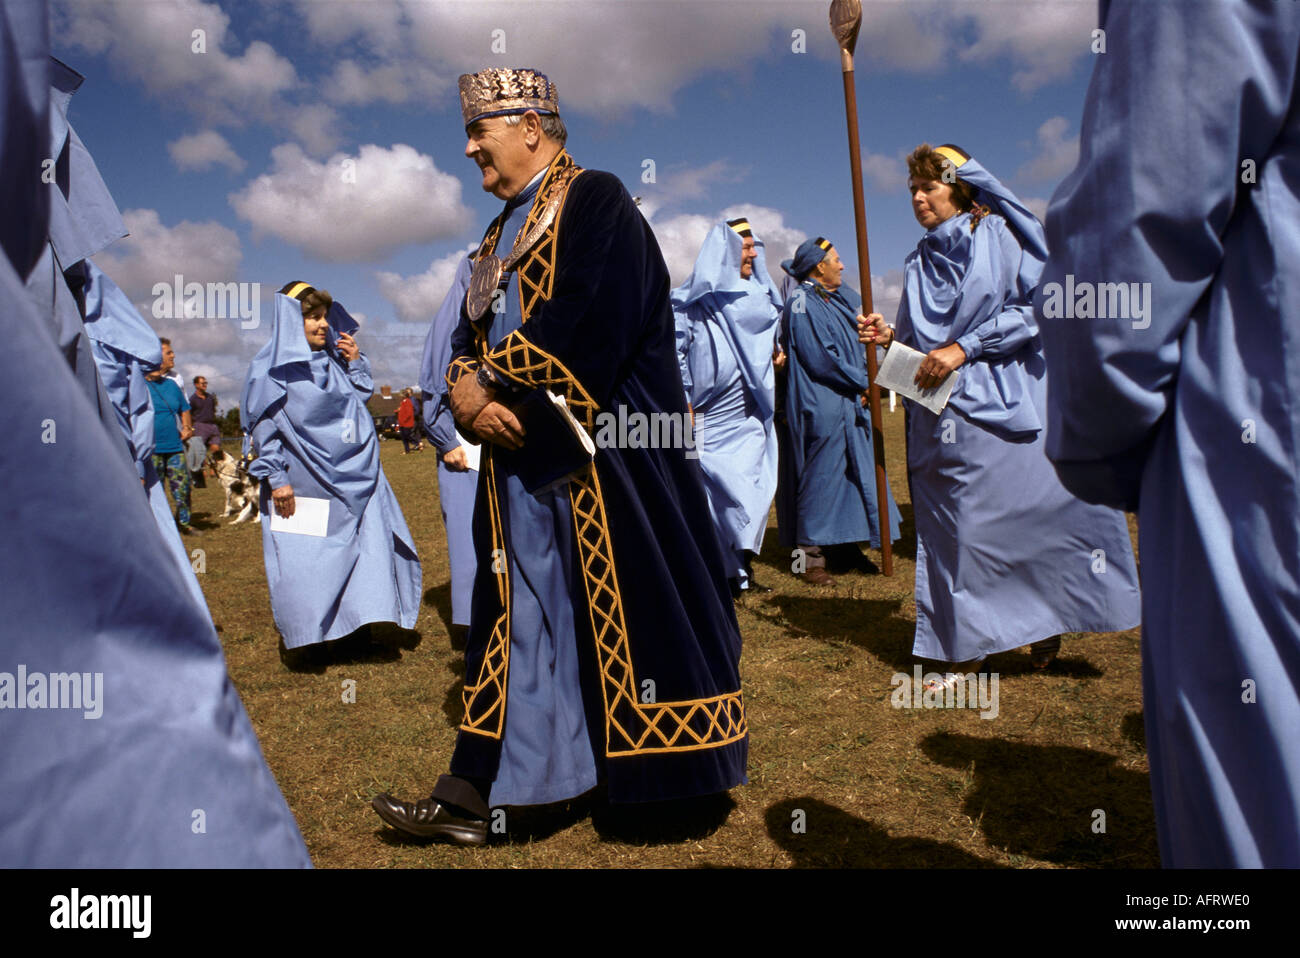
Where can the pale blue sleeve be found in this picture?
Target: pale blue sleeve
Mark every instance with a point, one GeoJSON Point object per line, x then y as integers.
{"type": "Point", "coordinates": [359, 375]}
{"type": "Point", "coordinates": [270, 464]}
{"type": "Point", "coordinates": [1184, 94]}
{"type": "Point", "coordinates": [1004, 334]}
{"type": "Point", "coordinates": [685, 333]}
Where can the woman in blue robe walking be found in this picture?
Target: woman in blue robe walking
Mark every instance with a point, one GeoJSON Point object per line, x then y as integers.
{"type": "Point", "coordinates": [304, 407]}
{"type": "Point", "coordinates": [1005, 555]}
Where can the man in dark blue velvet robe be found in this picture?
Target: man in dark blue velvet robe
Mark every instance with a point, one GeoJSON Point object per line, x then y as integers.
{"type": "Point", "coordinates": [603, 645]}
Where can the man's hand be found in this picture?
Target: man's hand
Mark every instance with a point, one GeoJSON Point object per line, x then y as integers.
{"type": "Point", "coordinates": [873, 331]}
{"type": "Point", "coordinates": [938, 364]}
{"type": "Point", "coordinates": [348, 347]}
{"type": "Point", "coordinates": [497, 424]}
{"type": "Point", "coordinates": [467, 400]}
{"type": "Point", "coordinates": [282, 499]}
{"type": "Point", "coordinates": [778, 359]}
{"type": "Point", "coordinates": [457, 460]}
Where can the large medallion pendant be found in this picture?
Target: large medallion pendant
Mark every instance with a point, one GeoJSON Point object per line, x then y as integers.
{"type": "Point", "coordinates": [483, 284]}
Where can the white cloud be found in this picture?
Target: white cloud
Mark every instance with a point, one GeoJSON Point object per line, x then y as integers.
{"type": "Point", "coordinates": [183, 52]}
{"type": "Point", "coordinates": [154, 253]}
{"type": "Point", "coordinates": [400, 81]}
{"type": "Point", "coordinates": [353, 208]}
{"type": "Point", "coordinates": [317, 128]}
{"type": "Point", "coordinates": [610, 57]}
{"type": "Point", "coordinates": [884, 174]}
{"type": "Point", "coordinates": [416, 298]}
{"type": "Point", "coordinates": [1057, 154]}
{"type": "Point", "coordinates": [1043, 39]}
{"type": "Point", "coordinates": [680, 237]}
{"type": "Point", "coordinates": [202, 151]}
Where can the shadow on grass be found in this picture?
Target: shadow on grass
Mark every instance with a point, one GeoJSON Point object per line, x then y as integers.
{"type": "Point", "coordinates": [871, 624]}
{"type": "Point", "coordinates": [905, 547]}
{"type": "Point", "coordinates": [1133, 727]}
{"type": "Point", "coordinates": [831, 837]}
{"type": "Point", "coordinates": [453, 702]}
{"type": "Point", "coordinates": [378, 642]}
{"type": "Point", "coordinates": [439, 598]}
{"type": "Point", "coordinates": [661, 823]}
{"type": "Point", "coordinates": [1043, 801]}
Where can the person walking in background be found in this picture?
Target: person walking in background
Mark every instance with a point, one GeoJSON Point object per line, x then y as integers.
{"type": "Point", "coordinates": [207, 433]}
{"type": "Point", "coordinates": [406, 423]}
{"type": "Point", "coordinates": [1179, 400]}
{"type": "Point", "coordinates": [169, 408]}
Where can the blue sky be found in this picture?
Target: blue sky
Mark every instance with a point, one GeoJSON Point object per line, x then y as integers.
{"type": "Point", "coordinates": [231, 162]}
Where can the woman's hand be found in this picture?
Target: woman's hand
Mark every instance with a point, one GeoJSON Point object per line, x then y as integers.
{"type": "Point", "coordinates": [348, 347]}
{"type": "Point", "coordinates": [457, 460]}
{"type": "Point", "coordinates": [938, 364]}
{"type": "Point", "coordinates": [282, 499]}
{"type": "Point", "coordinates": [872, 330]}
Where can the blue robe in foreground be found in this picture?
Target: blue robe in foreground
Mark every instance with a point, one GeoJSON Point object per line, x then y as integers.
{"type": "Point", "coordinates": [456, 490]}
{"type": "Point", "coordinates": [167, 773]}
{"type": "Point", "coordinates": [1005, 555]}
{"type": "Point", "coordinates": [726, 329]}
{"type": "Point", "coordinates": [305, 410]}
{"type": "Point", "coordinates": [830, 429]}
{"type": "Point", "coordinates": [124, 348]}
{"type": "Point", "coordinates": [1185, 408]}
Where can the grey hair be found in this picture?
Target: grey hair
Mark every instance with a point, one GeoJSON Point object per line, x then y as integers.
{"type": "Point", "coordinates": [552, 125]}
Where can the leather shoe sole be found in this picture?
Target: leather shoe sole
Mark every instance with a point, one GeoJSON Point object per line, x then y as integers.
{"type": "Point", "coordinates": [429, 819]}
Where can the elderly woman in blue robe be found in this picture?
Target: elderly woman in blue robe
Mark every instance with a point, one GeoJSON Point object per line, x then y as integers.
{"type": "Point", "coordinates": [1005, 555]}
{"type": "Point", "coordinates": [304, 407]}
{"type": "Point", "coordinates": [829, 427]}
{"type": "Point", "coordinates": [725, 316]}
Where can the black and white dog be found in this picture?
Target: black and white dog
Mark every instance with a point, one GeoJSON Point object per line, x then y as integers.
{"type": "Point", "coordinates": [241, 489]}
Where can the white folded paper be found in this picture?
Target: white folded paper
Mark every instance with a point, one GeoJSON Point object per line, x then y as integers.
{"type": "Point", "coordinates": [311, 517]}
{"type": "Point", "coordinates": [472, 449]}
{"type": "Point", "coordinates": [898, 372]}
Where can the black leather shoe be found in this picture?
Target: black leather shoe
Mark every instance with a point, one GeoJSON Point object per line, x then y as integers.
{"type": "Point", "coordinates": [429, 819]}
{"type": "Point", "coordinates": [758, 587]}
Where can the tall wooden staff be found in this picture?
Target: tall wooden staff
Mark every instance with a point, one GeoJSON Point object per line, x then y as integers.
{"type": "Point", "coordinates": [846, 19]}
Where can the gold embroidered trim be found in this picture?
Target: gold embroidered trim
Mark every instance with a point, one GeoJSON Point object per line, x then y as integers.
{"type": "Point", "coordinates": [457, 369]}
{"type": "Point", "coordinates": [632, 727]}
{"type": "Point", "coordinates": [487, 717]}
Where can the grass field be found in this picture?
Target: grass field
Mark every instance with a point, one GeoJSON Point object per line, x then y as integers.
{"type": "Point", "coordinates": [837, 775]}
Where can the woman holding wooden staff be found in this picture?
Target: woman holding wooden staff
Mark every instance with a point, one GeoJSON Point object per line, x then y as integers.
{"type": "Point", "coordinates": [1005, 555]}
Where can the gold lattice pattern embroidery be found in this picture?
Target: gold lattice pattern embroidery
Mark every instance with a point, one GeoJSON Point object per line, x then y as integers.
{"type": "Point", "coordinates": [524, 362]}
{"type": "Point", "coordinates": [485, 700]}
{"type": "Point", "coordinates": [457, 369]}
{"type": "Point", "coordinates": [631, 727]}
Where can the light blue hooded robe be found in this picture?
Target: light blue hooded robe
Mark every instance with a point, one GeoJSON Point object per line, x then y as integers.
{"type": "Point", "coordinates": [305, 411]}
{"type": "Point", "coordinates": [1005, 555]}
{"type": "Point", "coordinates": [456, 490]}
{"type": "Point", "coordinates": [726, 330]}
{"type": "Point", "coordinates": [162, 770]}
{"type": "Point", "coordinates": [1186, 408]}
{"type": "Point", "coordinates": [124, 348]}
